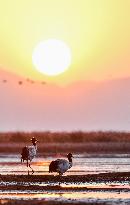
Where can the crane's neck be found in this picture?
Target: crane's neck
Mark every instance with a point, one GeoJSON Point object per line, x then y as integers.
{"type": "Point", "coordinates": [35, 145]}
{"type": "Point", "coordinates": [70, 161]}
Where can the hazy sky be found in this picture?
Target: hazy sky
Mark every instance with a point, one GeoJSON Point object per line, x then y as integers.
{"type": "Point", "coordinates": [78, 106]}
{"type": "Point", "coordinates": [97, 31]}
{"type": "Point", "coordinates": [96, 91]}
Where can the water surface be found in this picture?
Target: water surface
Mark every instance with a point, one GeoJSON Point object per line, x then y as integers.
{"type": "Point", "coordinates": [82, 164]}
{"type": "Point", "coordinates": [116, 192]}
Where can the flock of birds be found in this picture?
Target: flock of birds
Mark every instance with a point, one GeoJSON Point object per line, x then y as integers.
{"type": "Point", "coordinates": [59, 165]}
{"type": "Point", "coordinates": [20, 82]}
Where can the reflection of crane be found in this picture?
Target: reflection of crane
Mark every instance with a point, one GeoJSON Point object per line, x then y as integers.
{"type": "Point", "coordinates": [61, 165]}
{"type": "Point", "coordinates": [29, 152]}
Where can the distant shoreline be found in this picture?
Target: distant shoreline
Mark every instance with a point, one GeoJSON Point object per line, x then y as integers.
{"type": "Point", "coordinates": [55, 148]}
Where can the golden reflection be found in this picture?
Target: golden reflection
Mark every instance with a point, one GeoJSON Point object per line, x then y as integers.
{"type": "Point", "coordinates": [3, 201]}
{"type": "Point", "coordinates": [68, 195]}
{"type": "Point", "coordinates": [41, 163]}
{"type": "Point", "coordinates": [100, 186]}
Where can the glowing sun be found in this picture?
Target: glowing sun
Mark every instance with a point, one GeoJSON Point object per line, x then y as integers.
{"type": "Point", "coordinates": [52, 57]}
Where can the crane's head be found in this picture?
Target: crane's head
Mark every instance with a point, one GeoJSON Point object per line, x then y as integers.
{"type": "Point", "coordinates": [34, 140]}
{"type": "Point", "coordinates": [69, 156]}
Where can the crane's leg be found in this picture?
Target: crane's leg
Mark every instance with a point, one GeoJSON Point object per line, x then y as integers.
{"type": "Point", "coordinates": [22, 159]}
{"type": "Point", "coordinates": [27, 162]}
{"type": "Point", "coordinates": [28, 166]}
{"type": "Point", "coordinates": [60, 174]}
{"type": "Point", "coordinates": [31, 168]}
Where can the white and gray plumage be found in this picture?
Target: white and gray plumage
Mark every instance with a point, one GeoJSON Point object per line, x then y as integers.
{"type": "Point", "coordinates": [28, 153]}
{"type": "Point", "coordinates": [61, 165]}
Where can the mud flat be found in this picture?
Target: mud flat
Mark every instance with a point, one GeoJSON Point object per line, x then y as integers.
{"type": "Point", "coordinates": [115, 176]}
{"type": "Point", "coordinates": [36, 202]}
{"type": "Point", "coordinates": [92, 189]}
{"type": "Point", "coordinates": [53, 183]}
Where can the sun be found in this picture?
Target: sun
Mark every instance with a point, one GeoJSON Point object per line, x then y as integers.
{"type": "Point", "coordinates": [51, 57]}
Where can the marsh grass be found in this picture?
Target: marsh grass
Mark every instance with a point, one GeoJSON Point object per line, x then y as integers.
{"type": "Point", "coordinates": [66, 137]}
{"type": "Point", "coordinates": [63, 142]}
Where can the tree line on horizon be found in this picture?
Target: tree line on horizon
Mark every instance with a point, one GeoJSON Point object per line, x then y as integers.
{"type": "Point", "coordinates": [65, 137]}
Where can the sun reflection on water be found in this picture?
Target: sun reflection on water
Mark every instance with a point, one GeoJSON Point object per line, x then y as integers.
{"type": "Point", "coordinates": [83, 164]}
{"type": "Point", "coordinates": [79, 196]}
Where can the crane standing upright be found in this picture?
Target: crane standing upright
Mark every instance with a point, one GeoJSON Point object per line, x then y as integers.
{"type": "Point", "coordinates": [29, 152]}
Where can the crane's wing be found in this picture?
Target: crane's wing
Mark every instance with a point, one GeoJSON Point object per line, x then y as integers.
{"type": "Point", "coordinates": [32, 152]}
{"type": "Point", "coordinates": [25, 153]}
{"type": "Point", "coordinates": [63, 165]}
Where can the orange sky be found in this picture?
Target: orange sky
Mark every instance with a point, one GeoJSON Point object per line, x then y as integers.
{"type": "Point", "coordinates": [97, 31]}
{"type": "Point", "coordinates": [79, 106]}
{"type": "Point", "coordinates": [94, 93]}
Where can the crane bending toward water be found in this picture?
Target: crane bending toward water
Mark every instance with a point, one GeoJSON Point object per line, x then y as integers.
{"type": "Point", "coordinates": [28, 153]}
{"type": "Point", "coordinates": [61, 165]}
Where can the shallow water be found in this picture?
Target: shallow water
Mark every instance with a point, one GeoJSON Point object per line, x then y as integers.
{"type": "Point", "coordinates": [109, 197]}
{"type": "Point", "coordinates": [82, 164]}
{"type": "Point", "coordinates": [117, 192]}
{"type": "Point", "coordinates": [113, 197]}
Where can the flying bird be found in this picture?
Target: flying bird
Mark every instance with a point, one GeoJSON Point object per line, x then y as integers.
{"type": "Point", "coordinates": [61, 165]}
{"type": "Point", "coordinates": [4, 81]}
{"type": "Point", "coordinates": [20, 82]}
